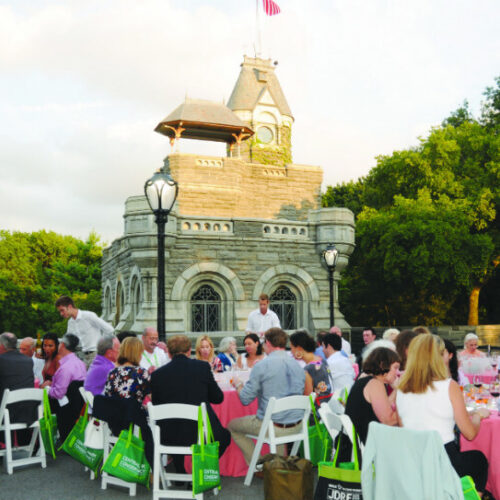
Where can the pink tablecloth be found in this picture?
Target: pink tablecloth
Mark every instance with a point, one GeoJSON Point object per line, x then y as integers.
{"type": "Point", "coordinates": [486, 377]}
{"type": "Point", "coordinates": [486, 441]}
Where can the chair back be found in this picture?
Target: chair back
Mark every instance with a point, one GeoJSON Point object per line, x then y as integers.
{"type": "Point", "coordinates": [174, 410]}
{"type": "Point", "coordinates": [87, 396]}
{"type": "Point", "coordinates": [20, 395]}
{"type": "Point", "coordinates": [332, 421]}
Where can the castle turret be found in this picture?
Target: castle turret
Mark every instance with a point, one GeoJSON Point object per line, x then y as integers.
{"type": "Point", "coordinates": [258, 100]}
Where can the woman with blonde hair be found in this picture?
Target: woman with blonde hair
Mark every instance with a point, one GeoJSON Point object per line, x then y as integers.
{"type": "Point", "coordinates": [428, 399]}
{"type": "Point", "coordinates": [128, 380]}
{"type": "Point", "coordinates": [204, 350]}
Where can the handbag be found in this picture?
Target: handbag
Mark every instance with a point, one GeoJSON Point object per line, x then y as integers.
{"type": "Point", "coordinates": [205, 473]}
{"type": "Point", "coordinates": [342, 480]}
{"type": "Point", "coordinates": [48, 426]}
{"type": "Point", "coordinates": [127, 459]}
{"type": "Point", "coordinates": [469, 488]}
{"type": "Point", "coordinates": [94, 434]}
{"type": "Point", "coordinates": [289, 478]}
{"type": "Point", "coordinates": [320, 441]}
{"type": "Point", "coordinates": [74, 444]}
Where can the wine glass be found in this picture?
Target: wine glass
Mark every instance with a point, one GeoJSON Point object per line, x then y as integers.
{"type": "Point", "coordinates": [477, 381]}
{"type": "Point", "coordinates": [495, 392]}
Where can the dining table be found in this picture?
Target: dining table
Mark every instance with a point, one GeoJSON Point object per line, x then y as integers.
{"type": "Point", "coordinates": [487, 441]}
{"type": "Point", "coordinates": [485, 377]}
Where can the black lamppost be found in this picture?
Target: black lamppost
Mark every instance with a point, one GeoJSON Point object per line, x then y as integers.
{"type": "Point", "coordinates": [331, 254]}
{"type": "Point", "coordinates": [161, 192]}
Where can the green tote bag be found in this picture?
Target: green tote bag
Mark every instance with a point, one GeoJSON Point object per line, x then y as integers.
{"type": "Point", "coordinates": [74, 445]}
{"type": "Point", "coordinates": [48, 426]}
{"type": "Point", "coordinates": [206, 475]}
{"type": "Point", "coordinates": [127, 459]}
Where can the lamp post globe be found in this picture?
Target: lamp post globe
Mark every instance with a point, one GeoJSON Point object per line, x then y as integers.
{"type": "Point", "coordinates": [161, 193]}
{"type": "Point", "coordinates": [330, 256]}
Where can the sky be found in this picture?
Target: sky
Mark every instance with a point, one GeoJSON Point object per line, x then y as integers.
{"type": "Point", "coordinates": [83, 85]}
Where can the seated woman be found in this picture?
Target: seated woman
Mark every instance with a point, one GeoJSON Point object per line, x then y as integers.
{"type": "Point", "coordinates": [471, 341]}
{"type": "Point", "coordinates": [50, 348]}
{"type": "Point", "coordinates": [368, 400]}
{"type": "Point", "coordinates": [451, 363]}
{"type": "Point", "coordinates": [128, 380]}
{"type": "Point", "coordinates": [253, 354]}
{"type": "Point", "coordinates": [427, 399]}
{"type": "Point", "coordinates": [303, 346]}
{"type": "Point", "coordinates": [228, 354]}
{"type": "Point", "coordinates": [204, 350]}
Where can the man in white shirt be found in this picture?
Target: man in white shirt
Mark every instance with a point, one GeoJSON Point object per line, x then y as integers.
{"type": "Point", "coordinates": [260, 320]}
{"type": "Point", "coordinates": [27, 347]}
{"type": "Point", "coordinates": [153, 356]}
{"type": "Point", "coordinates": [341, 368]}
{"type": "Point", "coordinates": [86, 325]}
{"type": "Point", "coordinates": [346, 347]}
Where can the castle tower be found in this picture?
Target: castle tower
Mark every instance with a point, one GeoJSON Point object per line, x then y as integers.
{"type": "Point", "coordinates": [258, 100]}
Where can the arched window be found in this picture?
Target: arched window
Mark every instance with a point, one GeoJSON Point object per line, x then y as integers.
{"type": "Point", "coordinates": [284, 303]}
{"type": "Point", "coordinates": [136, 298]}
{"type": "Point", "coordinates": [205, 310]}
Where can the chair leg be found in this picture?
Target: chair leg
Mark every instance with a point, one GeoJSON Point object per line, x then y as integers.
{"type": "Point", "coordinates": [295, 448]}
{"type": "Point", "coordinates": [8, 451]}
{"type": "Point", "coordinates": [253, 462]}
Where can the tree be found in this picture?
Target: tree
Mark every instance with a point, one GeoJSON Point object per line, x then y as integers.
{"type": "Point", "coordinates": [455, 174]}
{"type": "Point", "coordinates": [37, 268]}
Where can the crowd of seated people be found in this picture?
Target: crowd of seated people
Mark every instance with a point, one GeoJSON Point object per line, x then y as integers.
{"type": "Point", "coordinates": [409, 378]}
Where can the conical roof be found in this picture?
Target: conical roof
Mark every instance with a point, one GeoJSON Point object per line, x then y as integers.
{"type": "Point", "coordinates": [256, 76]}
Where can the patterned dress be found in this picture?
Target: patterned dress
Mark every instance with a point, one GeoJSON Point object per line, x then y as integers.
{"type": "Point", "coordinates": [128, 382]}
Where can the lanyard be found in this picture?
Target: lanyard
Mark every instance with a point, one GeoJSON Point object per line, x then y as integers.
{"type": "Point", "coordinates": [149, 361]}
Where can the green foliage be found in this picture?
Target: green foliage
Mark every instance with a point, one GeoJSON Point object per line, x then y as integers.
{"type": "Point", "coordinates": [428, 229]}
{"type": "Point", "coordinates": [38, 267]}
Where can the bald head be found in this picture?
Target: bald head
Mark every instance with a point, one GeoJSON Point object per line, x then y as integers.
{"type": "Point", "coordinates": [336, 330]}
{"type": "Point", "coordinates": [150, 338]}
{"type": "Point", "coordinates": [27, 346]}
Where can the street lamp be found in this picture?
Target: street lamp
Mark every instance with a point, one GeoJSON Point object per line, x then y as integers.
{"type": "Point", "coordinates": [331, 255]}
{"type": "Point", "coordinates": [161, 192]}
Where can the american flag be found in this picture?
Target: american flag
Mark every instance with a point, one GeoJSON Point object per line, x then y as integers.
{"type": "Point", "coordinates": [271, 8]}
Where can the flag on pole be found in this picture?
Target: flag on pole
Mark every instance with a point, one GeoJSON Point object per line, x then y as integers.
{"type": "Point", "coordinates": [271, 8]}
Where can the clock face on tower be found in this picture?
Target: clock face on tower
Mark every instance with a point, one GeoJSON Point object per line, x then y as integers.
{"type": "Point", "coordinates": [265, 135]}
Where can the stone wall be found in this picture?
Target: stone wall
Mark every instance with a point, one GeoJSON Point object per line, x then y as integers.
{"type": "Point", "coordinates": [239, 257]}
{"type": "Point", "coordinates": [230, 187]}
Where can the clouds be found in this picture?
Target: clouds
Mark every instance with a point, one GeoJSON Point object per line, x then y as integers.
{"type": "Point", "coordinates": [84, 84]}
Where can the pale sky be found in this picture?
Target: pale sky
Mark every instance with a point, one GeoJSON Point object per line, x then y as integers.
{"type": "Point", "coordinates": [83, 85]}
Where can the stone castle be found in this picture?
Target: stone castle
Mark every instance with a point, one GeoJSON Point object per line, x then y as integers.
{"type": "Point", "coordinates": [244, 224]}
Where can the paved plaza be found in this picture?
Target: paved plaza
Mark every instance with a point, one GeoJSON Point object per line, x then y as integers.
{"type": "Point", "coordinates": [65, 479]}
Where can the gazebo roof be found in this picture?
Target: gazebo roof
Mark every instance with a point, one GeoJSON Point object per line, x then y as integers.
{"type": "Point", "coordinates": [204, 120]}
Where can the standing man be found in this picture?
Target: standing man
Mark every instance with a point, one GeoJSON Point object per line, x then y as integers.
{"type": "Point", "coordinates": [260, 320]}
{"type": "Point", "coordinates": [277, 375]}
{"type": "Point", "coordinates": [27, 347]}
{"type": "Point", "coordinates": [86, 325]}
{"type": "Point", "coordinates": [369, 336]}
{"type": "Point", "coordinates": [188, 381]}
{"type": "Point", "coordinates": [16, 372]}
{"type": "Point", "coordinates": [153, 357]}
{"type": "Point", "coordinates": [108, 348]}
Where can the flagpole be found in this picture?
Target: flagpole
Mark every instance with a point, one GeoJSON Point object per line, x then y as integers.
{"type": "Point", "coordinates": [258, 39]}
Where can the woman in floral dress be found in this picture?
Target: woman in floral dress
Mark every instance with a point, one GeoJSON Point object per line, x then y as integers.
{"type": "Point", "coordinates": [128, 379]}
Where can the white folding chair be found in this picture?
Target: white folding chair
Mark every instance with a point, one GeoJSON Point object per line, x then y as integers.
{"type": "Point", "coordinates": [109, 442]}
{"type": "Point", "coordinates": [268, 436]}
{"type": "Point", "coordinates": [88, 398]}
{"type": "Point", "coordinates": [335, 423]}
{"type": "Point", "coordinates": [17, 396]}
{"type": "Point", "coordinates": [163, 412]}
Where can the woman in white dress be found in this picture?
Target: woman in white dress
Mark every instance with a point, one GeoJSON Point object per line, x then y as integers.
{"type": "Point", "coordinates": [253, 354]}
